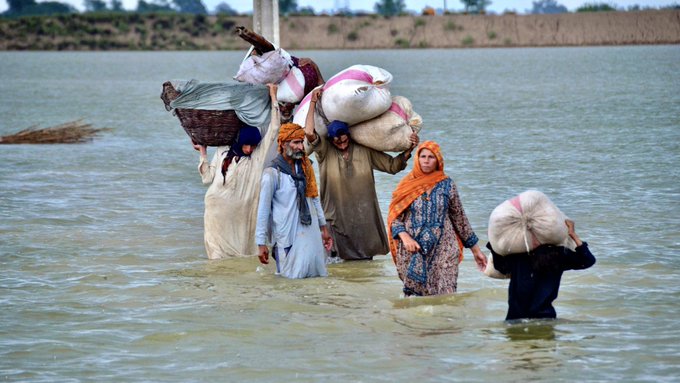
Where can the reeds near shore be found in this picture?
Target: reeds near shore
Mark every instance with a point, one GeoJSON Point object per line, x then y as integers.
{"type": "Point", "coordinates": [73, 132]}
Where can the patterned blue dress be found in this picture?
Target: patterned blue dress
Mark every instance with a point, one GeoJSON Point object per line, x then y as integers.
{"type": "Point", "coordinates": [435, 220]}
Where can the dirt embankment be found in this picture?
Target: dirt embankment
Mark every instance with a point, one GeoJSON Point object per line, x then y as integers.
{"type": "Point", "coordinates": [185, 32]}
{"type": "Point", "coordinates": [456, 31]}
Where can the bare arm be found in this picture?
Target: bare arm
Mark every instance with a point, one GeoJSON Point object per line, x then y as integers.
{"type": "Point", "coordinates": [310, 132]}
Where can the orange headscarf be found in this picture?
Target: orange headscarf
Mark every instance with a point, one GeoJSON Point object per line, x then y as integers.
{"type": "Point", "coordinates": [411, 187]}
{"type": "Point", "coordinates": [290, 132]}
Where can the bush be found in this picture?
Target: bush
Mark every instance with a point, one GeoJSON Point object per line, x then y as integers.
{"type": "Point", "coordinates": [468, 41]}
{"type": "Point", "coordinates": [596, 7]}
{"type": "Point", "coordinates": [353, 36]}
{"type": "Point", "coordinates": [332, 29]}
{"type": "Point", "coordinates": [402, 43]}
{"type": "Point", "coordinates": [491, 35]}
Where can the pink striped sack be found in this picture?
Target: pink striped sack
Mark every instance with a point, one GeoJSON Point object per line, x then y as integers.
{"type": "Point", "coordinates": [292, 87]}
{"type": "Point", "coordinates": [389, 132]}
{"type": "Point", "coordinates": [525, 222]}
{"type": "Point", "coordinates": [271, 67]}
{"type": "Point", "coordinates": [354, 95]}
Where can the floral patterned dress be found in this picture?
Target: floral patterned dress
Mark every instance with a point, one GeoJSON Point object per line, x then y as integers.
{"type": "Point", "coordinates": [435, 220]}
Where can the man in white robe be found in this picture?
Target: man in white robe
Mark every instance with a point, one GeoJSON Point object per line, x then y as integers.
{"type": "Point", "coordinates": [231, 199]}
{"type": "Point", "coordinates": [289, 214]}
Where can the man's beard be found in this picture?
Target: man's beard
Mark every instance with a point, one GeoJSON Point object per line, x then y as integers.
{"type": "Point", "coordinates": [296, 155]}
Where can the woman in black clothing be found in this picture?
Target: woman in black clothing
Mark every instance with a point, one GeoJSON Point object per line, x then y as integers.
{"type": "Point", "coordinates": [535, 276]}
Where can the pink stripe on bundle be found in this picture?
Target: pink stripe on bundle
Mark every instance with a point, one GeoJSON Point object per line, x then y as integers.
{"type": "Point", "coordinates": [516, 203]}
{"type": "Point", "coordinates": [294, 85]}
{"type": "Point", "coordinates": [352, 74]}
{"type": "Point", "coordinates": [395, 108]}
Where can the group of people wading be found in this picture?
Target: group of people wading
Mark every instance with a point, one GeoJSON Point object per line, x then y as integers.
{"type": "Point", "coordinates": [285, 214]}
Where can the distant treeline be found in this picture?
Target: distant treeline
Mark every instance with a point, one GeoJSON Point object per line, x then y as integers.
{"type": "Point", "coordinates": [387, 8]}
{"type": "Point", "coordinates": [122, 31]}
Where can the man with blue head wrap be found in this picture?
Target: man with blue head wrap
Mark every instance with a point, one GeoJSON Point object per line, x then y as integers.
{"type": "Point", "coordinates": [347, 187]}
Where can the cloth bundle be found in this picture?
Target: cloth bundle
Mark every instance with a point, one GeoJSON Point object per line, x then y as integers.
{"type": "Point", "coordinates": [525, 222]}
{"type": "Point", "coordinates": [391, 131]}
{"type": "Point", "coordinates": [271, 67]}
{"type": "Point", "coordinates": [292, 87]}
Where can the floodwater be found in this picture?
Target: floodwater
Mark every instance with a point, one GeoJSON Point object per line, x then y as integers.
{"type": "Point", "coordinates": [104, 276]}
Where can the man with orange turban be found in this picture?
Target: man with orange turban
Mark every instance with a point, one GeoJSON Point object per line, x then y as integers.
{"type": "Point", "coordinates": [290, 211]}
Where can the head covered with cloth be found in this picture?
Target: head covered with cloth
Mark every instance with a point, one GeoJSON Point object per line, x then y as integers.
{"type": "Point", "coordinates": [412, 186]}
{"type": "Point", "coordinates": [305, 183]}
{"type": "Point", "coordinates": [246, 142]}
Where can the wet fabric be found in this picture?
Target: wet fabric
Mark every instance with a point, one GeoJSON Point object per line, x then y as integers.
{"type": "Point", "coordinates": [531, 292]}
{"type": "Point", "coordinates": [231, 199]}
{"type": "Point", "coordinates": [438, 223]}
{"type": "Point", "coordinates": [251, 102]}
{"type": "Point", "coordinates": [349, 198]}
{"type": "Point", "coordinates": [298, 248]}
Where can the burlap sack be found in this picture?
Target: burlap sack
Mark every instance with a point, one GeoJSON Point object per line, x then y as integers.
{"type": "Point", "coordinates": [389, 132]}
{"type": "Point", "coordinates": [525, 222]}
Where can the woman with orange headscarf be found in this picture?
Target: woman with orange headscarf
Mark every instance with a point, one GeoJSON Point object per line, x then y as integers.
{"type": "Point", "coordinates": [428, 227]}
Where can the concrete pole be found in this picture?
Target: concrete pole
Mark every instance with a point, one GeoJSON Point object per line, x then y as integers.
{"type": "Point", "coordinates": [266, 19]}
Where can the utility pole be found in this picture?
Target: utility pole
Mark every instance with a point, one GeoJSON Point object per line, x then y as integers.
{"type": "Point", "coordinates": [266, 19]}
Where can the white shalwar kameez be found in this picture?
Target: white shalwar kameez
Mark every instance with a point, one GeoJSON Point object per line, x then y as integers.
{"type": "Point", "coordinates": [231, 208]}
{"type": "Point", "coordinates": [298, 248]}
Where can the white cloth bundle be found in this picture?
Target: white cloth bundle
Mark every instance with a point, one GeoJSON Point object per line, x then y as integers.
{"type": "Point", "coordinates": [525, 222]}
{"type": "Point", "coordinates": [491, 272]}
{"type": "Point", "coordinates": [389, 132]}
{"type": "Point", "coordinates": [357, 94]}
{"type": "Point", "coordinates": [292, 87]}
{"type": "Point", "coordinates": [271, 67]}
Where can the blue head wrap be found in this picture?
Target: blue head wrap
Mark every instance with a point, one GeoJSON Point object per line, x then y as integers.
{"type": "Point", "coordinates": [247, 135]}
{"type": "Point", "coordinates": [337, 128]}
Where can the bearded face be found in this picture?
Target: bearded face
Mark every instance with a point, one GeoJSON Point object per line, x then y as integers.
{"type": "Point", "coordinates": [295, 149]}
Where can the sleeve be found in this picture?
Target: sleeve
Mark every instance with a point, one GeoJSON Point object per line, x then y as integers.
{"type": "Point", "coordinates": [460, 221]}
{"type": "Point", "coordinates": [398, 225]}
{"type": "Point", "coordinates": [319, 211]}
{"type": "Point", "coordinates": [500, 263]}
{"type": "Point", "coordinates": [320, 147]}
{"type": "Point", "coordinates": [580, 259]}
{"type": "Point", "coordinates": [269, 138]}
{"type": "Point", "coordinates": [264, 206]}
{"type": "Point", "coordinates": [386, 163]}
{"type": "Point", "coordinates": [207, 170]}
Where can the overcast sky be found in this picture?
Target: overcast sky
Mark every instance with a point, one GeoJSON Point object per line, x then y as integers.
{"type": "Point", "coordinates": [497, 6]}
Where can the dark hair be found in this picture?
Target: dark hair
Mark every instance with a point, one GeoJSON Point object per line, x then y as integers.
{"type": "Point", "coordinates": [546, 258]}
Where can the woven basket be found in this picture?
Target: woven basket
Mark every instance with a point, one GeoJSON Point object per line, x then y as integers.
{"type": "Point", "coordinates": [205, 127]}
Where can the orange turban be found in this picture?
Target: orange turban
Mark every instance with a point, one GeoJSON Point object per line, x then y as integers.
{"type": "Point", "coordinates": [290, 132]}
{"type": "Point", "coordinates": [412, 186]}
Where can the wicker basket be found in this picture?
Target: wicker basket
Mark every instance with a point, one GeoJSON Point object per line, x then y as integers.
{"type": "Point", "coordinates": [205, 127]}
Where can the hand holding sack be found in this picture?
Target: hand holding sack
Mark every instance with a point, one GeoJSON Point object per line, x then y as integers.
{"type": "Point", "coordinates": [525, 222]}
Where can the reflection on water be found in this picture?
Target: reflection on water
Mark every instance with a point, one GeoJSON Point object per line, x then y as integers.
{"type": "Point", "coordinates": [105, 276]}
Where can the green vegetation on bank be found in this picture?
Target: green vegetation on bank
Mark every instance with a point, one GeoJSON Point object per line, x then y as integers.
{"type": "Point", "coordinates": [116, 31]}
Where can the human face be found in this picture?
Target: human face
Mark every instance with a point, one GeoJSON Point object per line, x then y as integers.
{"type": "Point", "coordinates": [295, 149]}
{"type": "Point", "coordinates": [248, 149]}
{"type": "Point", "coordinates": [341, 142]}
{"type": "Point", "coordinates": [428, 161]}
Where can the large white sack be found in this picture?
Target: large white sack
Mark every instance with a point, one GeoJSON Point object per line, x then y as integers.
{"type": "Point", "coordinates": [357, 94]}
{"type": "Point", "coordinates": [391, 131]}
{"type": "Point", "coordinates": [525, 222]}
{"type": "Point", "coordinates": [292, 88]}
{"type": "Point", "coordinates": [271, 67]}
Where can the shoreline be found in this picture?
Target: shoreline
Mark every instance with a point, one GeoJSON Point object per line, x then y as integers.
{"type": "Point", "coordinates": [172, 32]}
